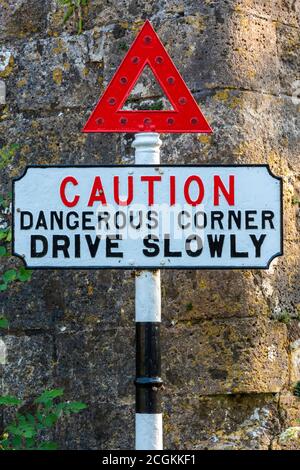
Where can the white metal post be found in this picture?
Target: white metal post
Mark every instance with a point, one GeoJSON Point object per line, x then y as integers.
{"type": "Point", "coordinates": [148, 424]}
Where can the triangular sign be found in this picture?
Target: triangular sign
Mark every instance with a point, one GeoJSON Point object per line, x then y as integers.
{"type": "Point", "coordinates": [108, 115]}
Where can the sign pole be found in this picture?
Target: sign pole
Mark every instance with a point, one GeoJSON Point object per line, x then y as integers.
{"type": "Point", "coordinates": [148, 422]}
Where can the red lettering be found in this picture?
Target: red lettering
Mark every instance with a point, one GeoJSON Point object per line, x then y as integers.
{"type": "Point", "coordinates": [150, 180]}
{"type": "Point", "coordinates": [219, 187]}
{"type": "Point", "coordinates": [62, 189]}
{"type": "Point", "coordinates": [172, 190]}
{"type": "Point", "coordinates": [130, 191]}
{"type": "Point", "coordinates": [97, 193]}
{"type": "Point", "coordinates": [200, 197]}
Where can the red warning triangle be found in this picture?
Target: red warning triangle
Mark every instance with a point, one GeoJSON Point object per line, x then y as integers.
{"type": "Point", "coordinates": [108, 115]}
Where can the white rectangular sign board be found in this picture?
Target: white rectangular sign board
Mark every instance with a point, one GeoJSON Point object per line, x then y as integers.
{"type": "Point", "coordinates": [147, 216]}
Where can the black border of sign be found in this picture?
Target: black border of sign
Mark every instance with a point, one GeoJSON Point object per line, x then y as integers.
{"type": "Point", "coordinates": [133, 268]}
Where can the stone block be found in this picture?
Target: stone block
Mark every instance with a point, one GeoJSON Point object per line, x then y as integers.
{"type": "Point", "coordinates": [245, 422]}
{"type": "Point", "coordinates": [232, 356]}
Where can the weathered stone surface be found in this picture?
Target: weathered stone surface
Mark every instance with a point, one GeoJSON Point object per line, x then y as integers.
{"type": "Point", "coordinates": [230, 338]}
{"type": "Point", "coordinates": [105, 426]}
{"type": "Point", "coordinates": [197, 295]}
{"type": "Point", "coordinates": [29, 365]}
{"type": "Point", "coordinates": [21, 18]}
{"type": "Point", "coordinates": [233, 356]}
{"type": "Point", "coordinates": [98, 362]}
{"type": "Point", "coordinates": [102, 300]}
{"type": "Point", "coordinates": [51, 74]}
{"type": "Point", "coordinates": [227, 423]}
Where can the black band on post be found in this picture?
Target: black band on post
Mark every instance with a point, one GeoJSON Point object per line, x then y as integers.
{"type": "Point", "coordinates": [148, 368]}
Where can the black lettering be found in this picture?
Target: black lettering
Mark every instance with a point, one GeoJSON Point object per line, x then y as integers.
{"type": "Point", "coordinates": [110, 245]}
{"type": "Point", "coordinates": [233, 251]}
{"type": "Point", "coordinates": [41, 221]}
{"type": "Point", "coordinates": [119, 225]}
{"type": "Point", "coordinates": [257, 243]}
{"type": "Point", "coordinates": [152, 219]}
{"type": "Point", "coordinates": [60, 243]}
{"type": "Point", "coordinates": [23, 226]}
{"type": "Point", "coordinates": [75, 224]}
{"type": "Point", "coordinates": [77, 246]}
{"type": "Point", "coordinates": [103, 216]}
{"type": "Point", "coordinates": [235, 217]}
{"type": "Point", "coordinates": [204, 219]}
{"type": "Point", "coordinates": [180, 222]}
{"type": "Point", "coordinates": [56, 219]}
{"type": "Point", "coordinates": [151, 243]}
{"type": "Point", "coordinates": [216, 245]}
{"type": "Point", "coordinates": [267, 216]}
{"type": "Point", "coordinates": [188, 242]}
{"type": "Point", "coordinates": [249, 218]}
{"type": "Point", "coordinates": [34, 252]}
{"type": "Point", "coordinates": [167, 251]}
{"type": "Point", "coordinates": [86, 219]}
{"type": "Point", "coordinates": [216, 217]}
{"type": "Point", "coordinates": [131, 219]}
{"type": "Point", "coordinates": [92, 246]}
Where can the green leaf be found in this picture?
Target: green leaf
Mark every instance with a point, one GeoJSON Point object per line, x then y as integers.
{"type": "Point", "coordinates": [40, 416]}
{"type": "Point", "coordinates": [29, 443]}
{"type": "Point", "coordinates": [75, 407]}
{"type": "Point", "coordinates": [3, 233]}
{"type": "Point", "coordinates": [3, 251]}
{"type": "Point", "coordinates": [23, 429]}
{"type": "Point", "coordinates": [3, 287]}
{"type": "Point", "coordinates": [68, 13]}
{"type": "Point", "coordinates": [80, 26]}
{"type": "Point", "coordinates": [5, 444]}
{"type": "Point", "coordinates": [2, 200]}
{"type": "Point", "coordinates": [9, 235]}
{"type": "Point", "coordinates": [47, 446]}
{"type": "Point", "coordinates": [13, 429]}
{"type": "Point", "coordinates": [17, 442]}
{"type": "Point", "coordinates": [3, 323]}
{"type": "Point", "coordinates": [49, 395]}
{"type": "Point", "coordinates": [9, 275]}
{"type": "Point", "coordinates": [24, 274]}
{"type": "Point", "coordinates": [50, 420]}
{"type": "Point", "coordinates": [9, 400]}
{"type": "Point", "coordinates": [30, 418]}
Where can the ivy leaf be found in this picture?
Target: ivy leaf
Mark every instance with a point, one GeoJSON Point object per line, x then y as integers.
{"type": "Point", "coordinates": [3, 324]}
{"type": "Point", "coordinates": [9, 275]}
{"type": "Point", "coordinates": [48, 446]}
{"type": "Point", "coordinates": [50, 420]}
{"type": "Point", "coordinates": [24, 274]}
{"type": "Point", "coordinates": [30, 418]}
{"type": "Point", "coordinates": [5, 444]}
{"type": "Point", "coordinates": [75, 407]}
{"type": "Point", "coordinates": [49, 395]}
{"type": "Point", "coordinates": [9, 235]}
{"type": "Point", "coordinates": [16, 442]}
{"type": "Point", "coordinates": [3, 287]}
{"type": "Point", "coordinates": [68, 13]}
{"type": "Point", "coordinates": [3, 251]}
{"type": "Point", "coordinates": [3, 234]}
{"type": "Point", "coordinates": [9, 400]}
{"type": "Point", "coordinates": [29, 443]}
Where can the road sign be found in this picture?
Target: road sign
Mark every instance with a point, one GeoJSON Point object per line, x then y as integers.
{"type": "Point", "coordinates": [147, 50]}
{"type": "Point", "coordinates": [148, 217]}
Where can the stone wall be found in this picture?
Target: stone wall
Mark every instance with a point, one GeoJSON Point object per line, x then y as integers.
{"type": "Point", "coordinates": [231, 339]}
